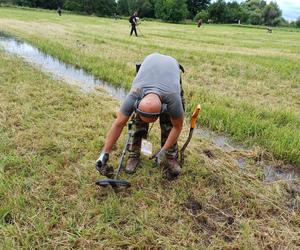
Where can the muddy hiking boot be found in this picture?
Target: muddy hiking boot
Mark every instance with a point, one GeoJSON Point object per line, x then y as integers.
{"type": "Point", "coordinates": [173, 168]}
{"type": "Point", "coordinates": [131, 165]}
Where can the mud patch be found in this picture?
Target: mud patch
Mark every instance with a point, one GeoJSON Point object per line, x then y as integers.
{"type": "Point", "coordinates": [293, 198]}
{"type": "Point", "coordinates": [208, 153]}
{"type": "Point", "coordinates": [278, 172]}
{"type": "Point", "coordinates": [206, 224]}
{"type": "Point", "coordinates": [230, 220]}
{"type": "Point", "coordinates": [8, 219]}
{"type": "Point", "coordinates": [193, 205]}
{"type": "Point", "coordinates": [240, 162]}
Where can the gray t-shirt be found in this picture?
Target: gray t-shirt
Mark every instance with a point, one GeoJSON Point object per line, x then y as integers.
{"type": "Point", "coordinates": [158, 74]}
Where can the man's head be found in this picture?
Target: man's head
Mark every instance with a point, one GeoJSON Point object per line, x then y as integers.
{"type": "Point", "coordinates": [150, 104]}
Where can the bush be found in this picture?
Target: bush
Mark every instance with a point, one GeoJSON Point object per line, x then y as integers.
{"type": "Point", "coordinates": [171, 10]}
{"type": "Point", "coordinates": [298, 22]}
{"type": "Point", "coordinates": [277, 21]}
{"type": "Point", "coordinates": [201, 15]}
{"type": "Point", "coordinates": [76, 6]}
{"type": "Point", "coordinates": [255, 18]}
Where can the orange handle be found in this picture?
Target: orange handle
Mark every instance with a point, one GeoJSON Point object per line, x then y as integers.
{"type": "Point", "coordinates": [195, 115]}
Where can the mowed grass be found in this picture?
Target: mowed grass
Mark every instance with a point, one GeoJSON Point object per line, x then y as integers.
{"type": "Point", "coordinates": [247, 80]}
{"type": "Point", "coordinates": [50, 135]}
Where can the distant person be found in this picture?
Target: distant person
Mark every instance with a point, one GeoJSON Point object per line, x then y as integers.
{"type": "Point", "coordinates": [133, 21]}
{"type": "Point", "coordinates": [200, 23]}
{"type": "Point", "coordinates": [116, 16]}
{"type": "Point", "coordinates": [269, 29]}
{"type": "Point", "coordinates": [59, 11]}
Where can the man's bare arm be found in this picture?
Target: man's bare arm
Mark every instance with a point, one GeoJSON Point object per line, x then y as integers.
{"type": "Point", "coordinates": [115, 131]}
{"type": "Point", "coordinates": [174, 133]}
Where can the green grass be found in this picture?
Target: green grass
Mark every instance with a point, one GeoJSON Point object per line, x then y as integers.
{"type": "Point", "coordinates": [51, 133]}
{"type": "Point", "coordinates": [245, 78]}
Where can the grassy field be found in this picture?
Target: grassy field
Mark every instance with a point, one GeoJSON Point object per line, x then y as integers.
{"type": "Point", "coordinates": [51, 133]}
{"type": "Point", "coordinates": [247, 80]}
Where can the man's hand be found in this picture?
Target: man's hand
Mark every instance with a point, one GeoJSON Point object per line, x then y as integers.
{"type": "Point", "coordinates": [103, 167]}
{"type": "Point", "coordinates": [102, 161]}
{"type": "Point", "coordinates": [159, 157]}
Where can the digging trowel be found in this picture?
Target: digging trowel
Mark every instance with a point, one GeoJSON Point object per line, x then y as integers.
{"type": "Point", "coordinates": [192, 126]}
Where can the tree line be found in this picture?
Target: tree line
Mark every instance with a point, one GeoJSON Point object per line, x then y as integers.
{"type": "Point", "coordinates": [256, 12]}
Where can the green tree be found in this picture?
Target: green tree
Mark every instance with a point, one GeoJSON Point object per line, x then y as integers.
{"type": "Point", "coordinates": [252, 11]}
{"type": "Point", "coordinates": [194, 6]}
{"type": "Point", "coordinates": [133, 5]}
{"type": "Point", "coordinates": [254, 5]}
{"type": "Point", "coordinates": [88, 6]}
{"type": "Point", "coordinates": [271, 14]}
{"type": "Point", "coordinates": [298, 22]}
{"type": "Point", "coordinates": [255, 17]}
{"type": "Point", "coordinates": [24, 3]}
{"type": "Point", "coordinates": [48, 4]}
{"type": "Point", "coordinates": [234, 12]}
{"type": "Point", "coordinates": [98, 7]}
{"type": "Point", "coordinates": [145, 8]}
{"type": "Point", "coordinates": [122, 7]}
{"type": "Point", "coordinates": [171, 10]}
{"type": "Point", "coordinates": [203, 14]}
{"type": "Point", "coordinates": [74, 5]}
{"type": "Point", "coordinates": [244, 14]}
{"type": "Point", "coordinates": [218, 11]}
{"type": "Point", "coordinates": [104, 7]}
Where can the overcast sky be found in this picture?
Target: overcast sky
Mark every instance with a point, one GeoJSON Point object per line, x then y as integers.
{"type": "Point", "coordinates": [290, 8]}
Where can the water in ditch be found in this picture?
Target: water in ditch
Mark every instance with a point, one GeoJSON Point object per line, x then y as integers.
{"type": "Point", "coordinates": [272, 170]}
{"type": "Point", "coordinates": [58, 69]}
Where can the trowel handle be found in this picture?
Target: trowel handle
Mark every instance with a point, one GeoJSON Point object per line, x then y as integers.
{"type": "Point", "coordinates": [195, 115]}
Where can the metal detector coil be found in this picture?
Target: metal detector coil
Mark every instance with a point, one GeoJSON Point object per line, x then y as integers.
{"type": "Point", "coordinates": [115, 182]}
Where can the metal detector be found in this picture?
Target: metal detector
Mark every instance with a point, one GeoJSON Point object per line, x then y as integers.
{"type": "Point", "coordinates": [139, 30]}
{"type": "Point", "coordinates": [115, 182]}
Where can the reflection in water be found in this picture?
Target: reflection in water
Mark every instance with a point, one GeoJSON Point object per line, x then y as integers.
{"type": "Point", "coordinates": [58, 69]}
{"type": "Point", "coordinates": [271, 172]}
{"type": "Point", "coordinates": [220, 140]}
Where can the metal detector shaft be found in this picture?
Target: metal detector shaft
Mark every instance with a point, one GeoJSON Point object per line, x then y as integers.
{"type": "Point", "coordinates": [139, 30]}
{"type": "Point", "coordinates": [192, 126]}
{"type": "Point", "coordinates": [124, 150]}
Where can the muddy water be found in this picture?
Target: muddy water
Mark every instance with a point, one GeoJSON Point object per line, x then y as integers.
{"type": "Point", "coordinates": [58, 69]}
{"type": "Point", "coordinates": [272, 171]}
{"type": "Point", "coordinates": [87, 82]}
